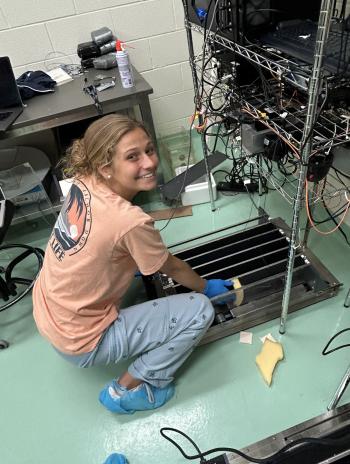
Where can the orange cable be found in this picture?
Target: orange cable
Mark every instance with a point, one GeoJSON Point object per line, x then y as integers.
{"type": "Point", "coordinates": [309, 215]}
{"type": "Point", "coordinates": [193, 117]}
{"type": "Point", "coordinates": [306, 182]}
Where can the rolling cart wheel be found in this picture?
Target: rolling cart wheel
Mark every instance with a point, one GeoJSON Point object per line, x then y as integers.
{"type": "Point", "coordinates": [4, 344]}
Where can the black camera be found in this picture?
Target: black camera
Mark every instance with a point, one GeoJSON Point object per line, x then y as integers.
{"type": "Point", "coordinates": [88, 50]}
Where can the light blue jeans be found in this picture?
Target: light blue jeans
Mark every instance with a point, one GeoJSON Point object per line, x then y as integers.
{"type": "Point", "coordinates": [161, 333]}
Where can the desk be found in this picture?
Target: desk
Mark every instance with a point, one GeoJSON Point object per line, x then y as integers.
{"type": "Point", "coordinates": [70, 104]}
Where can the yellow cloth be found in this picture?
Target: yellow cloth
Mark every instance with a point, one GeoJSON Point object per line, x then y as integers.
{"type": "Point", "coordinates": [270, 354]}
{"type": "Point", "coordinates": [240, 292]}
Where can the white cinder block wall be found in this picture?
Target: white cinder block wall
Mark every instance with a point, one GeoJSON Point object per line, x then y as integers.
{"type": "Point", "coordinates": [37, 33]}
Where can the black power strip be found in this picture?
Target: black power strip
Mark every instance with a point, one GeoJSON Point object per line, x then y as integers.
{"type": "Point", "coordinates": [237, 187]}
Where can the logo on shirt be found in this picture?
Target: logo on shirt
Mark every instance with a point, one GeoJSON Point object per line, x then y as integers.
{"type": "Point", "coordinates": [73, 224]}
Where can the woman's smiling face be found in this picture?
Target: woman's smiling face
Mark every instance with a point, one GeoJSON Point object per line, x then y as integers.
{"type": "Point", "coordinates": [134, 165]}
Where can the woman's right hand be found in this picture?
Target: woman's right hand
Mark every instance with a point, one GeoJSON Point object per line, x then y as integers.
{"type": "Point", "coordinates": [216, 287]}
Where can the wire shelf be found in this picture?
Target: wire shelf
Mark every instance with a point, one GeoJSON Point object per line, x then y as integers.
{"type": "Point", "coordinates": [277, 65]}
{"type": "Point", "coordinates": [331, 128]}
{"type": "Point", "coordinates": [287, 117]}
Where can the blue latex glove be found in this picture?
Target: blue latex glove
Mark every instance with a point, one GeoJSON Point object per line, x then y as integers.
{"type": "Point", "coordinates": [116, 458]}
{"type": "Point", "coordinates": [216, 287]}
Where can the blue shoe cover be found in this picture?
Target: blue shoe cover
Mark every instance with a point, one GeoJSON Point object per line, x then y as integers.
{"type": "Point", "coordinates": [116, 458]}
{"type": "Point", "coordinates": [110, 397]}
{"type": "Point", "coordinates": [142, 398]}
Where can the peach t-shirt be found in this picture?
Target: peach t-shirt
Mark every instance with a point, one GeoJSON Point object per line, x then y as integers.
{"type": "Point", "coordinates": [98, 242]}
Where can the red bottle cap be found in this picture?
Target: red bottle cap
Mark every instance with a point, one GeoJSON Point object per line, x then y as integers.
{"type": "Point", "coordinates": [119, 46]}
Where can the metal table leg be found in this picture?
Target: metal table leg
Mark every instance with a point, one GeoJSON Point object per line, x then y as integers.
{"type": "Point", "coordinates": [146, 114]}
{"type": "Point", "coordinates": [147, 119]}
{"type": "Point", "coordinates": [340, 390]}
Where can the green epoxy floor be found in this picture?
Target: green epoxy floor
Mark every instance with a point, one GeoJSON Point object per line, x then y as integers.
{"type": "Point", "coordinates": [49, 409]}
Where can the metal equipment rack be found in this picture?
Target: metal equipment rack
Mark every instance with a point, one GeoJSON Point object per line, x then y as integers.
{"type": "Point", "coordinates": [301, 130]}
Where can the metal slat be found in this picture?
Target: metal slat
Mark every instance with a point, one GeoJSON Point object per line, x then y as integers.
{"type": "Point", "coordinates": [235, 247]}
{"type": "Point", "coordinates": [250, 270]}
{"type": "Point", "coordinates": [249, 265]}
{"type": "Point", "coordinates": [262, 219]}
{"type": "Point", "coordinates": [273, 268]}
{"type": "Point", "coordinates": [254, 252]}
{"type": "Point", "coordinates": [227, 239]}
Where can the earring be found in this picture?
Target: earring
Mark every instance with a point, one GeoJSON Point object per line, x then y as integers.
{"type": "Point", "coordinates": [109, 176]}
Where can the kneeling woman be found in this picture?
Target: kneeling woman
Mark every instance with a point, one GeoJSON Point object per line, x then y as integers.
{"type": "Point", "coordinates": [98, 243]}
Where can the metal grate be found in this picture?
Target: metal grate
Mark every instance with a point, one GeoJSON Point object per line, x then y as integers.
{"type": "Point", "coordinates": [257, 256]}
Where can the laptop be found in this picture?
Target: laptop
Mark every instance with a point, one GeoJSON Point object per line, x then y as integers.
{"type": "Point", "coordinates": [11, 105]}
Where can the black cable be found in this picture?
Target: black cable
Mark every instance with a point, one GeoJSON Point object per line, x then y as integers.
{"type": "Point", "coordinates": [204, 46]}
{"type": "Point", "coordinates": [331, 215]}
{"type": "Point", "coordinates": [92, 92]}
{"type": "Point", "coordinates": [217, 136]}
{"type": "Point", "coordinates": [220, 170]}
{"type": "Point", "coordinates": [211, 125]}
{"type": "Point", "coordinates": [203, 69]}
{"type": "Point", "coordinates": [251, 197]}
{"type": "Point", "coordinates": [337, 171]}
{"type": "Point", "coordinates": [334, 215]}
{"type": "Point", "coordinates": [196, 100]}
{"type": "Point", "coordinates": [325, 352]}
{"type": "Point", "coordinates": [273, 458]}
{"type": "Point", "coordinates": [175, 444]}
{"type": "Point", "coordinates": [343, 9]}
{"type": "Point", "coordinates": [341, 180]}
{"type": "Point", "coordinates": [210, 96]}
{"type": "Point", "coordinates": [333, 218]}
{"type": "Point", "coordinates": [184, 180]}
{"type": "Point", "coordinates": [188, 160]}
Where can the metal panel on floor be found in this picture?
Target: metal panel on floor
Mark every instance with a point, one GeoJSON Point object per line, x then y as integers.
{"type": "Point", "coordinates": [333, 426]}
{"type": "Point", "coordinates": [256, 256]}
